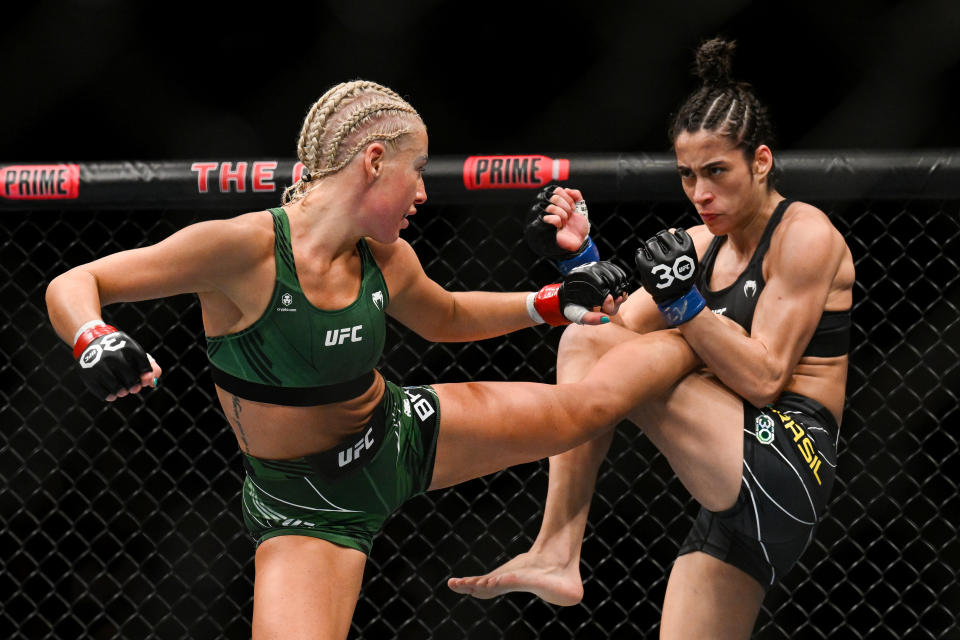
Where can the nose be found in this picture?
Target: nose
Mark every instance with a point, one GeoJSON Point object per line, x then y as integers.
{"type": "Point", "coordinates": [702, 193]}
{"type": "Point", "coordinates": [421, 193]}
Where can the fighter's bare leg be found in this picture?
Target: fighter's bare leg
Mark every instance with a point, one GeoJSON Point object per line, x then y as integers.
{"type": "Point", "coordinates": [697, 426]}
{"type": "Point", "coordinates": [305, 588]}
{"type": "Point", "coordinates": [551, 568]}
{"type": "Point", "coordinates": [708, 598]}
{"type": "Point", "coordinates": [488, 426]}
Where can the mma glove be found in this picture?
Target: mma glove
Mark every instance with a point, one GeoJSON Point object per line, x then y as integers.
{"type": "Point", "coordinates": [668, 270]}
{"type": "Point", "coordinates": [542, 236]}
{"type": "Point", "coordinates": [109, 359]}
{"type": "Point", "coordinates": [581, 290]}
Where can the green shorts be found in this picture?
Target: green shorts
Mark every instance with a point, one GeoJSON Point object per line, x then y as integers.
{"type": "Point", "coordinates": [344, 495]}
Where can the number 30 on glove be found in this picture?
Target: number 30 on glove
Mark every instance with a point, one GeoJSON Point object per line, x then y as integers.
{"type": "Point", "coordinates": [109, 360]}
{"type": "Point", "coordinates": [668, 270]}
{"type": "Point", "coordinates": [583, 289]}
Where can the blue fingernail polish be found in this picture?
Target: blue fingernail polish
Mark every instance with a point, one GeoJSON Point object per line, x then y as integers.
{"type": "Point", "coordinates": [154, 382]}
{"type": "Point", "coordinates": [604, 320]}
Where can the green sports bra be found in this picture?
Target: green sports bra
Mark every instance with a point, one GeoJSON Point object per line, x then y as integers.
{"type": "Point", "coordinates": [296, 354]}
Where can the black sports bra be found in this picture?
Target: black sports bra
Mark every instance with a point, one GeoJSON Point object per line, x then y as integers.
{"type": "Point", "coordinates": [738, 301]}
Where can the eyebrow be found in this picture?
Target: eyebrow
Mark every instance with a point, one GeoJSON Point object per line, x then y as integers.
{"type": "Point", "coordinates": [712, 163]}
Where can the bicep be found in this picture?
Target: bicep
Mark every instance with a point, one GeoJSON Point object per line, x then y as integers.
{"type": "Point", "coordinates": [784, 322]}
{"type": "Point", "coordinates": [792, 302]}
{"type": "Point", "coordinates": [189, 261]}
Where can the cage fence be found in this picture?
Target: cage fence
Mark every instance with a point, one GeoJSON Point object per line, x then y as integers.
{"type": "Point", "coordinates": [123, 520]}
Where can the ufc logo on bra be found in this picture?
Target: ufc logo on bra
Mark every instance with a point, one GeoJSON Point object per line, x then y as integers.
{"type": "Point", "coordinates": [339, 336]}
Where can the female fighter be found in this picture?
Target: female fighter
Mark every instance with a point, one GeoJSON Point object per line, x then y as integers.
{"type": "Point", "coordinates": [753, 438]}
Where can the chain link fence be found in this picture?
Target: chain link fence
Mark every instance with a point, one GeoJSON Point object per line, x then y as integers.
{"type": "Point", "coordinates": [123, 520]}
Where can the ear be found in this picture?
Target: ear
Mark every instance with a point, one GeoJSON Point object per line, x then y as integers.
{"type": "Point", "coordinates": [762, 161]}
{"type": "Point", "coordinates": [373, 159]}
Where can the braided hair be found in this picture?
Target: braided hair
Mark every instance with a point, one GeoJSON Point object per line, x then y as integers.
{"type": "Point", "coordinates": [345, 119]}
{"type": "Point", "coordinates": [723, 106]}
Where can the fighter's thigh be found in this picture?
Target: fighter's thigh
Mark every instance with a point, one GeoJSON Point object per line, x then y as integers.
{"type": "Point", "coordinates": [482, 430]}
{"type": "Point", "coordinates": [698, 427]}
{"type": "Point", "coordinates": [305, 588]}
{"type": "Point", "coordinates": [487, 426]}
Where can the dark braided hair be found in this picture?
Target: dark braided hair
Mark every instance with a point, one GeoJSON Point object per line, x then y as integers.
{"type": "Point", "coordinates": [725, 107]}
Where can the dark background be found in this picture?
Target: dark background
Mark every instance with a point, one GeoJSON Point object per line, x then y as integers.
{"type": "Point", "coordinates": [90, 80]}
{"type": "Point", "coordinates": [106, 80]}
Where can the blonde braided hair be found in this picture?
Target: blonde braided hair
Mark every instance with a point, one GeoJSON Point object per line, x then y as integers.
{"type": "Point", "coordinates": [345, 119]}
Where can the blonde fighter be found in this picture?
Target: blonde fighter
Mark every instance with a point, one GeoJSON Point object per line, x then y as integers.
{"type": "Point", "coordinates": [293, 302]}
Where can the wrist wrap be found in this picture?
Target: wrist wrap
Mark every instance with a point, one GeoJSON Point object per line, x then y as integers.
{"type": "Point", "coordinates": [587, 253]}
{"type": "Point", "coordinates": [547, 304]}
{"type": "Point", "coordinates": [682, 309]}
{"type": "Point", "coordinates": [88, 336]}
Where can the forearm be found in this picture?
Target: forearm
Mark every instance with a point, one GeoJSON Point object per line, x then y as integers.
{"type": "Point", "coordinates": [739, 361]}
{"type": "Point", "coordinates": [72, 299]}
{"type": "Point", "coordinates": [476, 315]}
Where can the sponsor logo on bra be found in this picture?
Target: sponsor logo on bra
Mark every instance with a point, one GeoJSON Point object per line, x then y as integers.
{"type": "Point", "coordinates": [286, 300]}
{"type": "Point", "coordinates": [750, 288]}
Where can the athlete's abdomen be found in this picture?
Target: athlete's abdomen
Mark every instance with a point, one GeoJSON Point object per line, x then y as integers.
{"type": "Point", "coordinates": [279, 432]}
{"type": "Point", "coordinates": [823, 380]}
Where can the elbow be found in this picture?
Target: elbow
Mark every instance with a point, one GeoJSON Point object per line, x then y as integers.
{"type": "Point", "coordinates": [53, 288]}
{"type": "Point", "coordinates": [766, 389]}
{"type": "Point", "coordinates": [760, 399]}
{"type": "Point", "coordinates": [70, 286]}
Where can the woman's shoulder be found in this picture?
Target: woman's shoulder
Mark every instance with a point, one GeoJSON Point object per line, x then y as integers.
{"type": "Point", "coordinates": [803, 223]}
{"type": "Point", "coordinates": [252, 223]}
{"type": "Point", "coordinates": [228, 243]}
{"type": "Point", "coordinates": [398, 264]}
{"type": "Point", "coordinates": [798, 209]}
{"type": "Point", "coordinates": [252, 230]}
{"type": "Point", "coordinates": [806, 236]}
{"type": "Point", "coordinates": [701, 237]}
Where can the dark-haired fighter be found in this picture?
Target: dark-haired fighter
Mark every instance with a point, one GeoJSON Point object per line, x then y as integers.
{"type": "Point", "coordinates": [753, 439]}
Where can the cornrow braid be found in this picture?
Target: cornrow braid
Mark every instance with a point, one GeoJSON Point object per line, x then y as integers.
{"type": "Point", "coordinates": [357, 120]}
{"type": "Point", "coordinates": [345, 119]}
{"type": "Point", "coordinates": [723, 106]}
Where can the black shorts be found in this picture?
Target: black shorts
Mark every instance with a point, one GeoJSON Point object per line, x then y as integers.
{"type": "Point", "coordinates": [789, 464]}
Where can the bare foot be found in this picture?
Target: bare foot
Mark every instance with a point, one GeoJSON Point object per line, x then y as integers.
{"type": "Point", "coordinates": [528, 572]}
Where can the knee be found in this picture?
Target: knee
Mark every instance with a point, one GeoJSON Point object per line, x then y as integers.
{"type": "Point", "coordinates": [580, 346]}
{"type": "Point", "coordinates": [600, 407]}
{"type": "Point", "coordinates": [577, 337]}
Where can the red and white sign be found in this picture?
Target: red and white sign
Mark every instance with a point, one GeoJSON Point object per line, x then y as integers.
{"type": "Point", "coordinates": [235, 177]}
{"type": "Point", "coordinates": [513, 172]}
{"type": "Point", "coordinates": [40, 181]}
